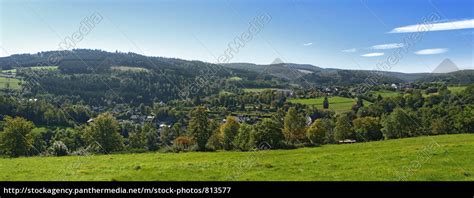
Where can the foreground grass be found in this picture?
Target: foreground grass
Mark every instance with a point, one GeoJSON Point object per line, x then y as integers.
{"type": "Point", "coordinates": [383, 160]}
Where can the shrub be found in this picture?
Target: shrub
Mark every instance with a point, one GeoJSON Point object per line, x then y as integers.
{"type": "Point", "coordinates": [58, 148]}
{"type": "Point", "coordinates": [182, 143]}
{"type": "Point", "coordinates": [316, 133]}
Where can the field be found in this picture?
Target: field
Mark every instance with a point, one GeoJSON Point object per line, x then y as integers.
{"type": "Point", "coordinates": [10, 83]}
{"type": "Point", "coordinates": [456, 89]}
{"type": "Point", "coordinates": [386, 93]}
{"type": "Point", "coordinates": [45, 67]}
{"type": "Point", "coordinates": [255, 90]}
{"type": "Point", "coordinates": [336, 103]}
{"type": "Point", "coordinates": [130, 69]}
{"type": "Point", "coordinates": [33, 68]}
{"type": "Point", "coordinates": [446, 157]}
{"type": "Point", "coordinates": [235, 78]}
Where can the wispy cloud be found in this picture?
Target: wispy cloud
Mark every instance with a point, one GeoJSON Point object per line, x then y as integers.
{"type": "Point", "coordinates": [373, 54]}
{"type": "Point", "coordinates": [431, 51]}
{"type": "Point", "coordinates": [349, 50]}
{"type": "Point", "coordinates": [452, 25]}
{"type": "Point", "coordinates": [387, 46]}
{"type": "Point", "coordinates": [307, 44]}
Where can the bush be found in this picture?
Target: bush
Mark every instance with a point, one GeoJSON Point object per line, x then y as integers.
{"type": "Point", "coordinates": [268, 133]}
{"type": "Point", "coordinates": [243, 140]}
{"type": "Point", "coordinates": [216, 140]}
{"type": "Point", "coordinates": [182, 143]}
{"type": "Point", "coordinates": [316, 133]}
{"type": "Point", "coordinates": [59, 149]}
{"type": "Point", "coordinates": [367, 129]}
{"type": "Point", "coordinates": [343, 129]}
{"type": "Point", "coordinates": [13, 141]}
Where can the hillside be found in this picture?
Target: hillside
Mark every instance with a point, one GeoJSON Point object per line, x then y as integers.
{"type": "Point", "coordinates": [99, 77]}
{"type": "Point", "coordinates": [331, 76]}
{"type": "Point", "coordinates": [414, 158]}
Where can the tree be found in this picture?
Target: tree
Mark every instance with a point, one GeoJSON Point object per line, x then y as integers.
{"type": "Point", "coordinates": [415, 100]}
{"type": "Point", "coordinates": [167, 135]}
{"type": "Point", "coordinates": [70, 137]}
{"type": "Point", "coordinates": [316, 133]}
{"type": "Point", "coordinates": [229, 131]}
{"type": "Point", "coordinates": [215, 142]}
{"type": "Point", "coordinates": [367, 129]}
{"type": "Point", "coordinates": [397, 125]}
{"type": "Point", "coordinates": [279, 118]}
{"type": "Point", "coordinates": [104, 134]}
{"type": "Point", "coordinates": [439, 126]}
{"type": "Point", "coordinates": [182, 143]}
{"type": "Point", "coordinates": [267, 133]}
{"type": "Point", "coordinates": [325, 103]}
{"type": "Point", "coordinates": [464, 121]}
{"type": "Point", "coordinates": [379, 97]}
{"type": "Point", "coordinates": [13, 140]}
{"type": "Point", "coordinates": [151, 137]}
{"type": "Point", "coordinates": [343, 129]}
{"type": "Point", "coordinates": [198, 127]}
{"type": "Point", "coordinates": [37, 140]}
{"type": "Point", "coordinates": [137, 140]}
{"type": "Point", "coordinates": [243, 140]}
{"type": "Point", "coordinates": [294, 126]}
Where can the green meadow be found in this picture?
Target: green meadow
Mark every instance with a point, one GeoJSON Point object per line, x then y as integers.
{"type": "Point", "coordinates": [434, 158]}
{"type": "Point", "coordinates": [336, 103]}
{"type": "Point", "coordinates": [9, 83]}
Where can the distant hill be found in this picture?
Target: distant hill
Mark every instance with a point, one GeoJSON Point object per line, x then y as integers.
{"type": "Point", "coordinates": [86, 60]}
{"type": "Point", "coordinates": [307, 72]}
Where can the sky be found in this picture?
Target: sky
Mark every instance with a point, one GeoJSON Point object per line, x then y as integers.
{"type": "Point", "coordinates": [345, 34]}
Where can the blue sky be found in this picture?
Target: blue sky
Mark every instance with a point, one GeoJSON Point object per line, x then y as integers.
{"type": "Point", "coordinates": [348, 34]}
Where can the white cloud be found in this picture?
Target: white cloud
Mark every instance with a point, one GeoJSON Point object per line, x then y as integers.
{"type": "Point", "coordinates": [431, 51]}
{"type": "Point", "coordinates": [307, 44]}
{"type": "Point", "coordinates": [349, 50]}
{"type": "Point", "coordinates": [452, 25]}
{"type": "Point", "coordinates": [373, 54]}
{"type": "Point", "coordinates": [387, 46]}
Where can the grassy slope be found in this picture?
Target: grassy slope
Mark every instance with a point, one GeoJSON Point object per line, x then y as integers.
{"type": "Point", "coordinates": [457, 89]}
{"type": "Point", "coordinates": [336, 103]}
{"type": "Point", "coordinates": [13, 83]}
{"type": "Point", "coordinates": [256, 90]}
{"type": "Point", "coordinates": [383, 160]}
{"type": "Point", "coordinates": [386, 93]}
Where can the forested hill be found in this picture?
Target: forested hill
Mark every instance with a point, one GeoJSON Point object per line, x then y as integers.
{"type": "Point", "coordinates": [332, 76]}
{"type": "Point", "coordinates": [97, 76]}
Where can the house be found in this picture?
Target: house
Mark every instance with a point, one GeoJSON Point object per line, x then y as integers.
{"type": "Point", "coordinates": [308, 120]}
{"type": "Point", "coordinates": [150, 118]}
{"type": "Point", "coordinates": [346, 141]}
{"type": "Point", "coordinates": [134, 117]}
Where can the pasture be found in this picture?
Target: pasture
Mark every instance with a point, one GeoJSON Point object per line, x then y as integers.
{"type": "Point", "coordinates": [336, 103]}
{"type": "Point", "coordinates": [434, 158]}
